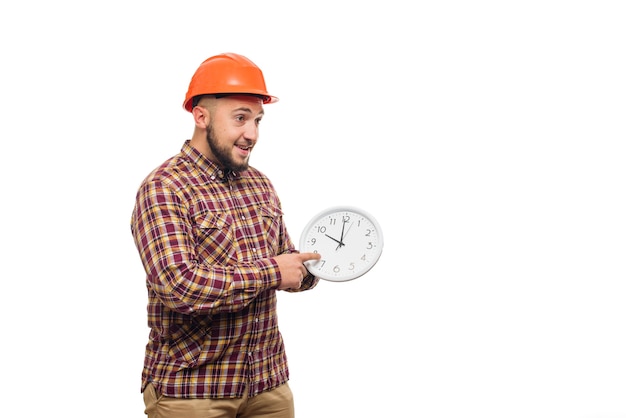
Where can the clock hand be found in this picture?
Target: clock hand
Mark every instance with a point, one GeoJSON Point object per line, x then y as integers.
{"type": "Point", "coordinates": [344, 236]}
{"type": "Point", "coordinates": [343, 227]}
{"type": "Point", "coordinates": [336, 240]}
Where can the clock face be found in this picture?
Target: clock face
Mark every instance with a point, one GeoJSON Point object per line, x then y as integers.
{"type": "Point", "coordinates": [349, 240]}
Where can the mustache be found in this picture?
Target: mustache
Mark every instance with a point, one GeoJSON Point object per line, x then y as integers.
{"type": "Point", "coordinates": [245, 144]}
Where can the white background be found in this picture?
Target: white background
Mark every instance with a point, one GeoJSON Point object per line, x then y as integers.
{"type": "Point", "coordinates": [487, 138]}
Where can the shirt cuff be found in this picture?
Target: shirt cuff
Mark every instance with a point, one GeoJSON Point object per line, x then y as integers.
{"type": "Point", "coordinates": [270, 273]}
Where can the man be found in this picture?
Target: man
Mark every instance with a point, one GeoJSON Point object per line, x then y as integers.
{"type": "Point", "coordinates": [210, 233]}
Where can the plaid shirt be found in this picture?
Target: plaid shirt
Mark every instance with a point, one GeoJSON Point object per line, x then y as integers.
{"type": "Point", "coordinates": [206, 239]}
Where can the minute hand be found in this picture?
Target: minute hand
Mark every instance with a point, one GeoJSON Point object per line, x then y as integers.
{"type": "Point", "coordinates": [341, 244]}
{"type": "Point", "coordinates": [344, 236]}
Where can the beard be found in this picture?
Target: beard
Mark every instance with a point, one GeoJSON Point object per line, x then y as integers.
{"type": "Point", "coordinates": [223, 154]}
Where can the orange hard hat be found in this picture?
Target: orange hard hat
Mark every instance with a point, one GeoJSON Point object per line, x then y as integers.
{"type": "Point", "coordinates": [227, 73]}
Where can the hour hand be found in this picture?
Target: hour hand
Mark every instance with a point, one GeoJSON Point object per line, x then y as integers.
{"type": "Point", "coordinates": [336, 240]}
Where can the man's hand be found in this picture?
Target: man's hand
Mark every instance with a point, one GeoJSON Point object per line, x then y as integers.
{"type": "Point", "coordinates": [292, 269]}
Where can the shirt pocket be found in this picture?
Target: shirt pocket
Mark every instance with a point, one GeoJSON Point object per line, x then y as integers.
{"type": "Point", "coordinates": [271, 219]}
{"type": "Point", "coordinates": [214, 238]}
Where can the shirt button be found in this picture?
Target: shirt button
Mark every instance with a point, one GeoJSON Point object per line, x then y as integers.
{"type": "Point", "coordinates": [212, 177]}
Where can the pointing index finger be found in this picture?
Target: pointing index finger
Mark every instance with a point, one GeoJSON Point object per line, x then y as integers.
{"type": "Point", "coordinates": [309, 256]}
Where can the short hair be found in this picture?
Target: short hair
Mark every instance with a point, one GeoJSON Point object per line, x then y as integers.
{"type": "Point", "coordinates": [196, 99]}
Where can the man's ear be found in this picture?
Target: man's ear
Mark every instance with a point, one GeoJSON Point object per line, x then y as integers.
{"type": "Point", "coordinates": [201, 117]}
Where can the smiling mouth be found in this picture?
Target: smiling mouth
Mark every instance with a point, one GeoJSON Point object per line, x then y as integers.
{"type": "Point", "coordinates": [245, 150]}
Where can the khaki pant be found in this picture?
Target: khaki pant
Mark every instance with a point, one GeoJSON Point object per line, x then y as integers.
{"type": "Point", "coordinates": [277, 403]}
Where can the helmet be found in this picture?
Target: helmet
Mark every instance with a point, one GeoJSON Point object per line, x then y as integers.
{"type": "Point", "coordinates": [227, 73]}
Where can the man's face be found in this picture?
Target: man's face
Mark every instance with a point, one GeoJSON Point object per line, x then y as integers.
{"type": "Point", "coordinates": [234, 130]}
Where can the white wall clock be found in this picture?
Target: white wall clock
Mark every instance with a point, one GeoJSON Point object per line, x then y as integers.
{"type": "Point", "coordinates": [349, 240]}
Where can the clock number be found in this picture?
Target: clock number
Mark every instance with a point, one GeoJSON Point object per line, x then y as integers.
{"type": "Point", "coordinates": [368, 233]}
{"type": "Point", "coordinates": [333, 221]}
{"type": "Point", "coordinates": [346, 218]}
{"type": "Point", "coordinates": [321, 229]}
{"type": "Point", "coordinates": [369, 245]}
{"type": "Point", "coordinates": [313, 241]}
{"type": "Point", "coordinates": [351, 266]}
{"type": "Point", "coordinates": [336, 269]}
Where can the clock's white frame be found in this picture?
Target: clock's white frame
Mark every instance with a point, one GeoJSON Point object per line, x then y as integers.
{"type": "Point", "coordinates": [342, 208]}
